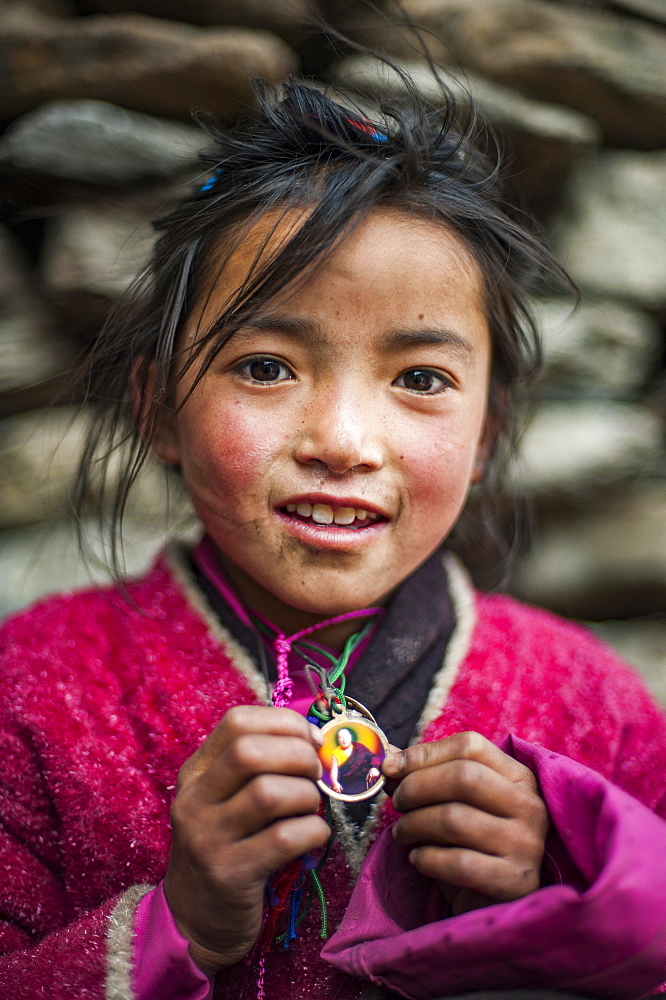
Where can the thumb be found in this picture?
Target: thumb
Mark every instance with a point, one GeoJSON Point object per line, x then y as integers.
{"type": "Point", "coordinates": [394, 767]}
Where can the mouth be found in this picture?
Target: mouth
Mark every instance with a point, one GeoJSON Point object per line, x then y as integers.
{"type": "Point", "coordinates": [324, 516]}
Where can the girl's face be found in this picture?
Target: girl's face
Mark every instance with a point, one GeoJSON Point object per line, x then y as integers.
{"type": "Point", "coordinates": [330, 447]}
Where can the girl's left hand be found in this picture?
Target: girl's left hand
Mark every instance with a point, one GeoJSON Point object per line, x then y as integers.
{"type": "Point", "coordinates": [474, 816]}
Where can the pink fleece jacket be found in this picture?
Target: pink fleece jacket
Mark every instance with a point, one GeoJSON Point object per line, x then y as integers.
{"type": "Point", "coordinates": [103, 699]}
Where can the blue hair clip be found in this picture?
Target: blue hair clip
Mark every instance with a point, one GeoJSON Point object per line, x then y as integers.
{"type": "Point", "coordinates": [212, 180]}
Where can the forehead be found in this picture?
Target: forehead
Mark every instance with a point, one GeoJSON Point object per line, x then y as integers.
{"type": "Point", "coordinates": [389, 257]}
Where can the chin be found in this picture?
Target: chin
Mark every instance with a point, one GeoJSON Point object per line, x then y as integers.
{"type": "Point", "coordinates": [334, 603]}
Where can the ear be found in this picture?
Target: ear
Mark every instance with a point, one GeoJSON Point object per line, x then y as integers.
{"type": "Point", "coordinates": [164, 440]}
{"type": "Point", "coordinates": [155, 420]}
{"type": "Point", "coordinates": [479, 467]}
{"type": "Point", "coordinates": [491, 428]}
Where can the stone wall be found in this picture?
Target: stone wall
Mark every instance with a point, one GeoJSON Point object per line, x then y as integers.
{"type": "Point", "coordinates": [97, 137]}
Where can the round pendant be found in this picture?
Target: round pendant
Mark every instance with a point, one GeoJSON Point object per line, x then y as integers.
{"type": "Point", "coordinates": [352, 754]}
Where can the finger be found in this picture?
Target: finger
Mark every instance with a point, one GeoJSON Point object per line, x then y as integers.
{"type": "Point", "coordinates": [460, 746]}
{"type": "Point", "coordinates": [252, 719]}
{"type": "Point", "coordinates": [391, 784]}
{"type": "Point", "coordinates": [465, 781]}
{"type": "Point", "coordinates": [233, 870]}
{"type": "Point", "coordinates": [282, 842]}
{"type": "Point", "coordinates": [495, 877]}
{"type": "Point", "coordinates": [454, 824]}
{"type": "Point", "coordinates": [262, 801]}
{"type": "Point", "coordinates": [252, 754]}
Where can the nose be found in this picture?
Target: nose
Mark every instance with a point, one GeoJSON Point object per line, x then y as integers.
{"type": "Point", "coordinates": [341, 430]}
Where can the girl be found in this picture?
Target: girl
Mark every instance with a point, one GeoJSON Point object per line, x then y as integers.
{"type": "Point", "coordinates": [328, 347]}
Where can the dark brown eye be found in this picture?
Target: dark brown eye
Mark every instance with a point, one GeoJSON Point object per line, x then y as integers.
{"type": "Point", "coordinates": [421, 380]}
{"type": "Point", "coordinates": [264, 370]}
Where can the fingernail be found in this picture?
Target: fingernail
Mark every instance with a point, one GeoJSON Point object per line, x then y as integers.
{"type": "Point", "coordinates": [317, 738]}
{"type": "Point", "coordinates": [394, 764]}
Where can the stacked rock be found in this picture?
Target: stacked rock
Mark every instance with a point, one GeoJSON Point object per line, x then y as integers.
{"type": "Point", "coordinates": [97, 137]}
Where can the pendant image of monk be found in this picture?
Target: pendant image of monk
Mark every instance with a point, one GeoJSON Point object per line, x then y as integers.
{"type": "Point", "coordinates": [354, 768]}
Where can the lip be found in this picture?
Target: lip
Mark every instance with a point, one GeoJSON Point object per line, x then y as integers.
{"type": "Point", "coordinates": [356, 502]}
{"type": "Point", "coordinates": [330, 536]}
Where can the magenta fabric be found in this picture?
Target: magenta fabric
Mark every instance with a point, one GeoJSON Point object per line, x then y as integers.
{"type": "Point", "coordinates": [602, 932]}
{"type": "Point", "coordinates": [162, 964]}
{"type": "Point", "coordinates": [104, 697]}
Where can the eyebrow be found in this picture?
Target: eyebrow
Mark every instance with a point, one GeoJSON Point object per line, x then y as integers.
{"type": "Point", "coordinates": [397, 340]}
{"type": "Point", "coordinates": [305, 330]}
{"type": "Point", "coordinates": [310, 333]}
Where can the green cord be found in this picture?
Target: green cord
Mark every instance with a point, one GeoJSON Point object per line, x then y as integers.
{"type": "Point", "coordinates": [322, 902]}
{"type": "Point", "coordinates": [339, 665]}
{"type": "Point", "coordinates": [315, 873]}
{"type": "Point", "coordinates": [315, 649]}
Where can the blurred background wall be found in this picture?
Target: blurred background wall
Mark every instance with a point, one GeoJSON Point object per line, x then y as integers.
{"type": "Point", "coordinates": [96, 138]}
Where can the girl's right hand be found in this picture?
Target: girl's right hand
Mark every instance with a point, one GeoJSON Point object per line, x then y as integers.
{"type": "Point", "coordinates": [245, 804]}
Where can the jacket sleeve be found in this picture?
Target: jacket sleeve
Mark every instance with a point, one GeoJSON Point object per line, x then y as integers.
{"type": "Point", "coordinates": [601, 931]}
{"type": "Point", "coordinates": [161, 965]}
{"type": "Point", "coordinates": [52, 946]}
{"type": "Point", "coordinates": [49, 946]}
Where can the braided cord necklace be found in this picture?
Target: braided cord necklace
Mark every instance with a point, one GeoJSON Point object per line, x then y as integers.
{"type": "Point", "coordinates": [333, 679]}
{"type": "Point", "coordinates": [348, 729]}
{"type": "Point", "coordinates": [283, 644]}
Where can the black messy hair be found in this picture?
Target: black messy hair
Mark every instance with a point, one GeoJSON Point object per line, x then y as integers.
{"type": "Point", "coordinates": [304, 150]}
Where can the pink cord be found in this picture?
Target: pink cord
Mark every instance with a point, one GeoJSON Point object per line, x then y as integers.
{"type": "Point", "coordinates": [260, 979]}
{"type": "Point", "coordinates": [282, 696]}
{"type": "Point", "coordinates": [282, 645]}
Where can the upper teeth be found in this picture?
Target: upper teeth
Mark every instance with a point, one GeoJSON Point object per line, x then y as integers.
{"type": "Point", "coordinates": [323, 513]}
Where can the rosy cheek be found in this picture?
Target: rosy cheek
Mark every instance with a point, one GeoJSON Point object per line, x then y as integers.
{"type": "Point", "coordinates": [232, 446]}
{"type": "Point", "coordinates": [437, 474]}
